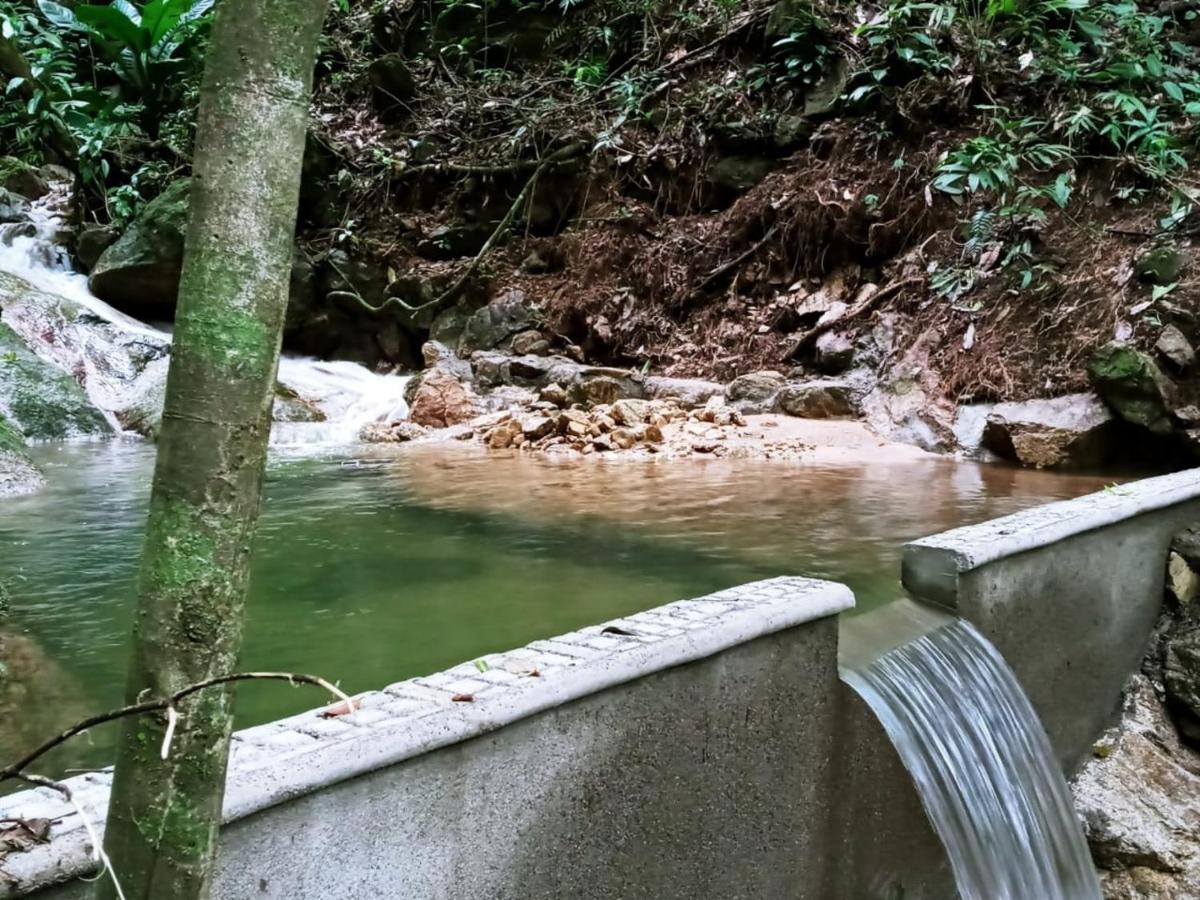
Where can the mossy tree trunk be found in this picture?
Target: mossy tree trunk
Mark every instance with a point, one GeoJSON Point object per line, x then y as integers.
{"type": "Point", "coordinates": [164, 815]}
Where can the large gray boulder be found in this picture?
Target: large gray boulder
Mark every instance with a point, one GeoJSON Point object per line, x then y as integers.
{"type": "Point", "coordinates": [691, 393]}
{"type": "Point", "coordinates": [140, 272]}
{"type": "Point", "coordinates": [755, 392]}
{"type": "Point", "coordinates": [1074, 431]}
{"type": "Point", "coordinates": [492, 326]}
{"type": "Point", "coordinates": [825, 398]}
{"type": "Point", "coordinates": [17, 474]}
{"type": "Point", "coordinates": [41, 400]}
{"type": "Point", "coordinates": [1139, 797]}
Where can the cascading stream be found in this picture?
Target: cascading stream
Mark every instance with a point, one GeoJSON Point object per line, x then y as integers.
{"type": "Point", "coordinates": [121, 361]}
{"type": "Point", "coordinates": [982, 764]}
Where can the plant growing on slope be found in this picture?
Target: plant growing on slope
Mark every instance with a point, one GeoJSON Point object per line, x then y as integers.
{"type": "Point", "coordinates": [144, 44]}
{"type": "Point", "coordinates": [994, 164]}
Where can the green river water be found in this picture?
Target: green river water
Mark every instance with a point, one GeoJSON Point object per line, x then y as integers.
{"type": "Point", "coordinates": [377, 564]}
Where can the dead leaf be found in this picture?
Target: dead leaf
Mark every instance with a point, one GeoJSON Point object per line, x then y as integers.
{"type": "Point", "coordinates": [340, 709]}
{"type": "Point", "coordinates": [24, 834]}
{"type": "Point", "coordinates": [463, 698]}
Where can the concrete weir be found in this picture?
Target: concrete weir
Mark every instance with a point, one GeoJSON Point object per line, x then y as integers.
{"type": "Point", "coordinates": [706, 748]}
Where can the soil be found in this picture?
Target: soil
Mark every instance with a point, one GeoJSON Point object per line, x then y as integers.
{"type": "Point", "coordinates": [642, 263]}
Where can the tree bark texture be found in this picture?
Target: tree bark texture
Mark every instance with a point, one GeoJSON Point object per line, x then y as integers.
{"type": "Point", "coordinates": [164, 815]}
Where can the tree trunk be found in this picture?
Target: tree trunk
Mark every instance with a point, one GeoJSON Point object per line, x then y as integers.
{"type": "Point", "coordinates": [164, 815]}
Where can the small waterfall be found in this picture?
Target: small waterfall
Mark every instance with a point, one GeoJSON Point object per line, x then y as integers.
{"type": "Point", "coordinates": [121, 362]}
{"type": "Point", "coordinates": [982, 764]}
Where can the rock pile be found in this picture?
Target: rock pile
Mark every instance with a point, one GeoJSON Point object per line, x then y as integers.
{"type": "Point", "coordinates": [646, 426]}
{"type": "Point", "coordinates": [550, 425]}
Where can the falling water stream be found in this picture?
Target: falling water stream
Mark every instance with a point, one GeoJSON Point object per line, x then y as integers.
{"type": "Point", "coordinates": [982, 764]}
{"type": "Point", "coordinates": [346, 395]}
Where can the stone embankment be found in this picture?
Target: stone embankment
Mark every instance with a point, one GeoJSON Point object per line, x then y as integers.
{"type": "Point", "coordinates": [1139, 794]}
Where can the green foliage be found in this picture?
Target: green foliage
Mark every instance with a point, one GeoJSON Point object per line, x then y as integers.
{"type": "Point", "coordinates": [144, 44]}
{"type": "Point", "coordinates": [993, 162]}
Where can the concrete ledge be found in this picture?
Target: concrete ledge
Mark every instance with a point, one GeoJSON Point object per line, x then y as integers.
{"type": "Point", "coordinates": [932, 565]}
{"type": "Point", "coordinates": [1069, 593]}
{"type": "Point", "coordinates": [281, 761]}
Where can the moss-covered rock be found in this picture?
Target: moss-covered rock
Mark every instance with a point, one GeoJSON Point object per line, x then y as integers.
{"type": "Point", "coordinates": [40, 400]}
{"type": "Point", "coordinates": [21, 178]}
{"type": "Point", "coordinates": [17, 476]}
{"type": "Point", "coordinates": [140, 272]}
{"type": "Point", "coordinates": [1161, 265]}
{"type": "Point", "coordinates": [1133, 385]}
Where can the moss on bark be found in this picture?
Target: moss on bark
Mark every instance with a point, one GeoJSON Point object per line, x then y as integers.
{"type": "Point", "coordinates": [164, 815]}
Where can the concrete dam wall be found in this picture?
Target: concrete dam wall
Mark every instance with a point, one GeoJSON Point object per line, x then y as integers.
{"type": "Point", "coordinates": [706, 748]}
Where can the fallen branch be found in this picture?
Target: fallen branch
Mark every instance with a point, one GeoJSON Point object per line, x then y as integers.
{"type": "Point", "coordinates": [17, 770]}
{"type": "Point", "coordinates": [862, 308]}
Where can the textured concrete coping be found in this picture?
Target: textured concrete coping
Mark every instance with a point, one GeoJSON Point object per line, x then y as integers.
{"type": "Point", "coordinates": [932, 565]}
{"type": "Point", "coordinates": [271, 764]}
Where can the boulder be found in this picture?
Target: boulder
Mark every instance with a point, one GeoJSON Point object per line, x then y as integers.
{"type": "Point", "coordinates": [139, 273]}
{"type": "Point", "coordinates": [554, 393]}
{"type": "Point", "coordinates": [1066, 432]}
{"type": "Point", "coordinates": [596, 390]}
{"type": "Point", "coordinates": [791, 132]}
{"type": "Point", "coordinates": [1133, 385]}
{"type": "Point", "coordinates": [43, 402]}
{"type": "Point", "coordinates": [1173, 346]}
{"type": "Point", "coordinates": [13, 208]}
{"type": "Point", "coordinates": [22, 179]}
{"type": "Point", "coordinates": [392, 81]}
{"type": "Point", "coordinates": [505, 435]}
{"type": "Point", "coordinates": [448, 325]}
{"type": "Point", "coordinates": [690, 393]}
{"type": "Point", "coordinates": [437, 355]}
{"type": "Point", "coordinates": [821, 399]}
{"type": "Point", "coordinates": [823, 97]}
{"type": "Point", "coordinates": [1139, 797]}
{"type": "Point", "coordinates": [730, 176]}
{"type": "Point", "coordinates": [1183, 580]}
{"type": "Point", "coordinates": [1181, 675]}
{"type": "Point", "coordinates": [594, 386]}
{"type": "Point", "coordinates": [392, 432]}
{"type": "Point", "coordinates": [92, 242]}
{"type": "Point", "coordinates": [531, 343]}
{"type": "Point", "coordinates": [756, 390]}
{"type": "Point", "coordinates": [535, 427]}
{"type": "Point", "coordinates": [833, 353]}
{"type": "Point", "coordinates": [1160, 266]}
{"type": "Point", "coordinates": [441, 400]}
{"type": "Point", "coordinates": [630, 412]}
{"type": "Point", "coordinates": [17, 474]}
{"type": "Point", "coordinates": [494, 324]}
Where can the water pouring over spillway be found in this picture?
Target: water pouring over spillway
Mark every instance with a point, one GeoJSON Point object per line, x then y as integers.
{"type": "Point", "coordinates": [121, 362]}
{"type": "Point", "coordinates": [982, 765]}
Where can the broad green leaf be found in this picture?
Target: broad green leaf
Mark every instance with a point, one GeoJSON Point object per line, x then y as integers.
{"type": "Point", "coordinates": [58, 15]}
{"type": "Point", "coordinates": [1161, 290]}
{"type": "Point", "coordinates": [111, 24]}
{"type": "Point", "coordinates": [129, 10]}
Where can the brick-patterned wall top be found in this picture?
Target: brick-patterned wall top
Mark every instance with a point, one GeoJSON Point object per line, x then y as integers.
{"type": "Point", "coordinates": [272, 763]}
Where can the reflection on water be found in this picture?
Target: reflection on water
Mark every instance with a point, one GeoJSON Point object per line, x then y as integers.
{"type": "Point", "coordinates": [393, 562]}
